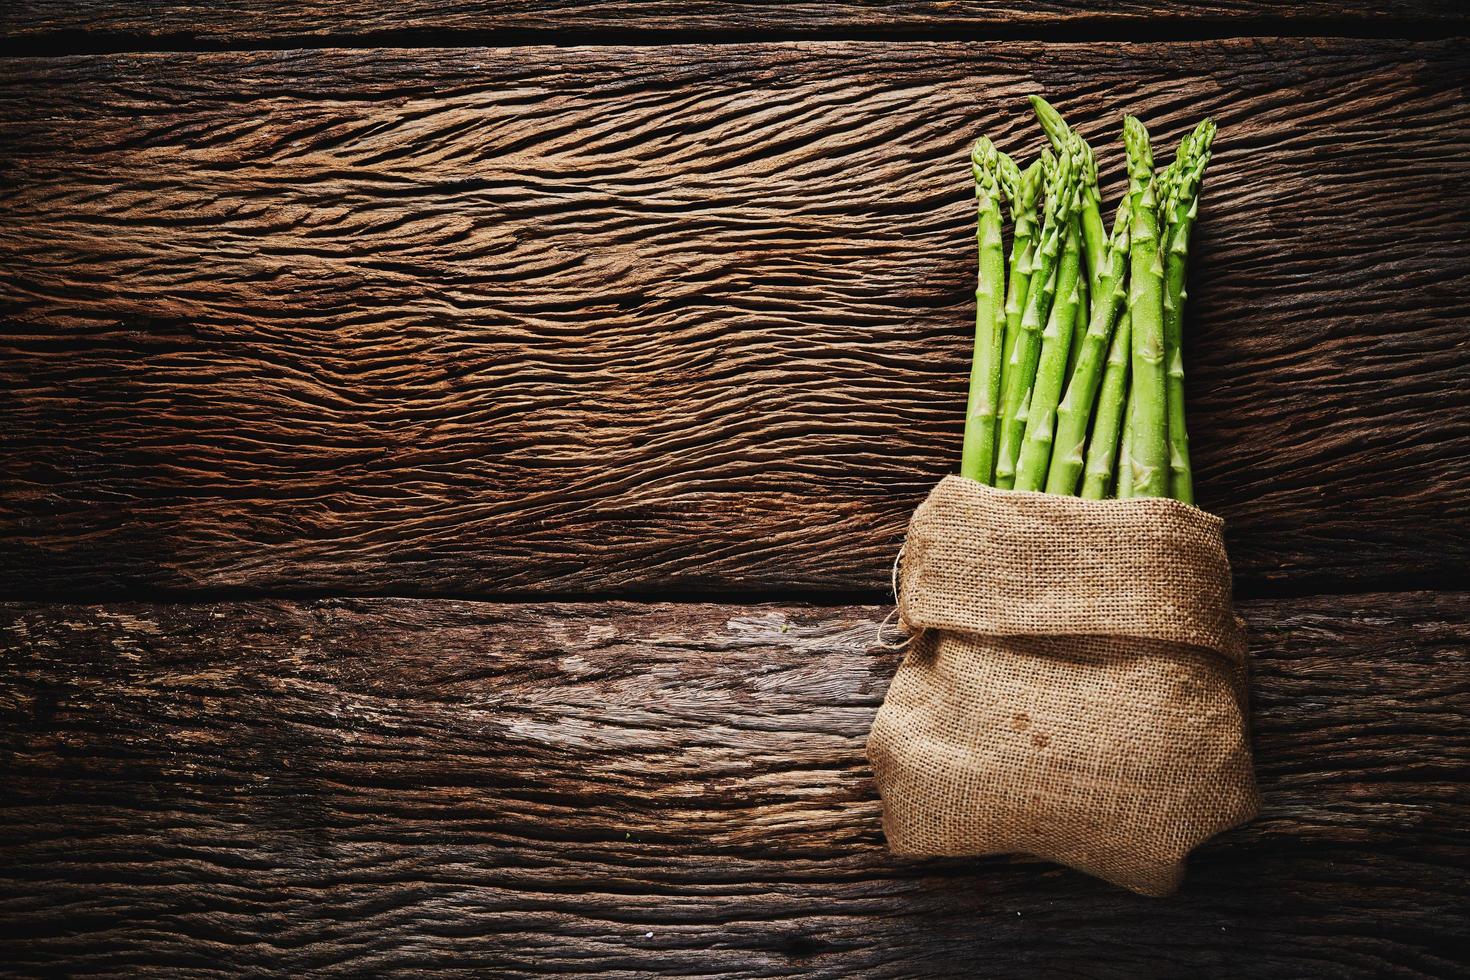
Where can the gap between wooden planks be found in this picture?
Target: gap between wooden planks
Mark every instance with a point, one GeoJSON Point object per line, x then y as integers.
{"type": "Point", "coordinates": [689, 320]}
{"type": "Point", "coordinates": [630, 789]}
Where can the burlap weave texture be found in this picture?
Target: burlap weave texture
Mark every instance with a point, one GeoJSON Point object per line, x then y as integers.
{"type": "Point", "coordinates": [1075, 689]}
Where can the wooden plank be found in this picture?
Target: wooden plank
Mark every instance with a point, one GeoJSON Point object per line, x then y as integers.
{"type": "Point", "coordinates": [264, 21]}
{"type": "Point", "coordinates": [370, 786]}
{"type": "Point", "coordinates": [387, 785]}
{"type": "Point", "coordinates": [598, 321]}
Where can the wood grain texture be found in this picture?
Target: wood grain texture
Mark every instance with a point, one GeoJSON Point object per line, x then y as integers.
{"type": "Point", "coordinates": [355, 786]}
{"type": "Point", "coordinates": [688, 320]}
{"type": "Point", "coordinates": [257, 21]}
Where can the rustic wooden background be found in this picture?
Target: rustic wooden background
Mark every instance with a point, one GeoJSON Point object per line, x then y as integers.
{"type": "Point", "coordinates": [451, 455]}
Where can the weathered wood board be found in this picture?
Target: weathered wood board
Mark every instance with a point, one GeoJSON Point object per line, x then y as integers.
{"type": "Point", "coordinates": [678, 320]}
{"type": "Point", "coordinates": [110, 23]}
{"type": "Point", "coordinates": [352, 786]}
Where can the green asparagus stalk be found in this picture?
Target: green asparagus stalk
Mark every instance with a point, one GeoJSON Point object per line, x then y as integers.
{"type": "Point", "coordinates": [1061, 208]}
{"type": "Point", "coordinates": [977, 462]}
{"type": "Point", "coordinates": [1051, 368]}
{"type": "Point", "coordinates": [1124, 489]}
{"type": "Point", "coordinates": [1059, 133]}
{"type": "Point", "coordinates": [1075, 410]}
{"type": "Point", "coordinates": [1181, 210]}
{"type": "Point", "coordinates": [1079, 324]}
{"type": "Point", "coordinates": [1147, 427]}
{"type": "Point", "coordinates": [1166, 180]}
{"type": "Point", "coordinates": [1181, 179]}
{"type": "Point", "coordinates": [1022, 188]}
{"type": "Point", "coordinates": [1094, 238]}
{"type": "Point", "coordinates": [1102, 448]}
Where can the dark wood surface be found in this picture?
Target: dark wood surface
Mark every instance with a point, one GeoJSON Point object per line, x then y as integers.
{"type": "Point", "coordinates": [102, 24]}
{"type": "Point", "coordinates": [636, 789]}
{"type": "Point", "coordinates": [105, 23]}
{"type": "Point", "coordinates": [472, 304]}
{"type": "Point", "coordinates": [689, 319]}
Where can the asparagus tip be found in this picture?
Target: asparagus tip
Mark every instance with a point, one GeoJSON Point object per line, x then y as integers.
{"type": "Point", "coordinates": [985, 165]}
{"type": "Point", "coordinates": [1052, 123]}
{"type": "Point", "coordinates": [1135, 142]}
{"type": "Point", "coordinates": [983, 152]}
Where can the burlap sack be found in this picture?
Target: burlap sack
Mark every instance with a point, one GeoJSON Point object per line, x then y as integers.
{"type": "Point", "coordinates": [1074, 689]}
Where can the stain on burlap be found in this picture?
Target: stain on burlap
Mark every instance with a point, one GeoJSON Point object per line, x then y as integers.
{"type": "Point", "coordinates": [1075, 688]}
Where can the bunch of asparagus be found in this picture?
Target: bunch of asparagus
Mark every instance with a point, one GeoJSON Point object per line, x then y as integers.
{"type": "Point", "coordinates": [1077, 384]}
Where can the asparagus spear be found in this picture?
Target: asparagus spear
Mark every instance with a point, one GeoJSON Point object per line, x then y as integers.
{"type": "Point", "coordinates": [1021, 188]}
{"type": "Point", "coordinates": [1059, 133]}
{"type": "Point", "coordinates": [1102, 448]}
{"type": "Point", "coordinates": [1079, 324]}
{"type": "Point", "coordinates": [1075, 410]}
{"type": "Point", "coordinates": [1181, 210]}
{"type": "Point", "coordinates": [1061, 207]}
{"type": "Point", "coordinates": [1166, 180]}
{"type": "Point", "coordinates": [1008, 456]}
{"type": "Point", "coordinates": [1148, 438]}
{"type": "Point", "coordinates": [977, 462]}
{"type": "Point", "coordinates": [1125, 452]}
{"type": "Point", "coordinates": [1051, 368]}
{"type": "Point", "coordinates": [1094, 245]}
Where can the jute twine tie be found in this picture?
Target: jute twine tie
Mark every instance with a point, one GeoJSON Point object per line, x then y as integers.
{"type": "Point", "coordinates": [892, 618]}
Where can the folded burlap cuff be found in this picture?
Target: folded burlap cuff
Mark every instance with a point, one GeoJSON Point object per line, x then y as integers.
{"type": "Point", "coordinates": [1075, 687]}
